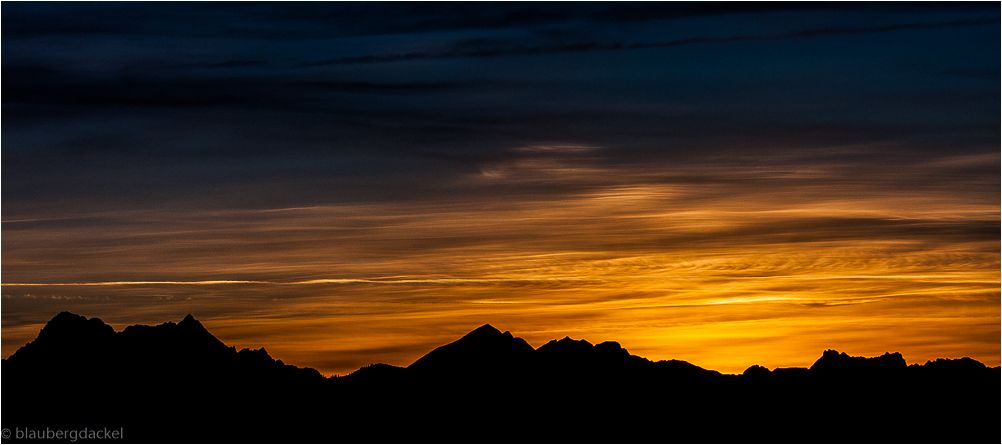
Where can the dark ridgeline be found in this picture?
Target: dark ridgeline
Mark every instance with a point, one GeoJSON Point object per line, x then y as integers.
{"type": "Point", "coordinates": [178, 383]}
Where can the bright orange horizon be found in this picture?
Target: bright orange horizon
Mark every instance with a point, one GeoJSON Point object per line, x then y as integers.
{"type": "Point", "coordinates": [723, 278]}
{"type": "Point", "coordinates": [346, 183]}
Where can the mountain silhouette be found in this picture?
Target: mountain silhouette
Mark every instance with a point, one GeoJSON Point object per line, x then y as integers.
{"type": "Point", "coordinates": [840, 364]}
{"type": "Point", "coordinates": [176, 382]}
{"type": "Point", "coordinates": [483, 350]}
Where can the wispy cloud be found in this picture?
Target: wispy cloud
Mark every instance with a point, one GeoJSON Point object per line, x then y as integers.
{"type": "Point", "coordinates": [673, 267]}
{"type": "Point", "coordinates": [303, 282]}
{"type": "Point", "coordinates": [489, 49]}
{"type": "Point", "coordinates": [722, 183]}
{"type": "Point", "coordinates": [136, 283]}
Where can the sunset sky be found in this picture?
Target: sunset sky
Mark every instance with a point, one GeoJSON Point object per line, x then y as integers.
{"type": "Point", "coordinates": [343, 184]}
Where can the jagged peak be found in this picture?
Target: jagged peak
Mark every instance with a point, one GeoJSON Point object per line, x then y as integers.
{"type": "Point", "coordinates": [259, 353]}
{"type": "Point", "coordinates": [69, 318]}
{"type": "Point", "coordinates": [568, 339]}
{"type": "Point", "coordinates": [189, 322]}
{"type": "Point", "coordinates": [832, 358]}
{"type": "Point", "coordinates": [953, 364]}
{"type": "Point", "coordinates": [830, 353]}
{"type": "Point", "coordinates": [486, 331]}
{"type": "Point", "coordinates": [566, 344]}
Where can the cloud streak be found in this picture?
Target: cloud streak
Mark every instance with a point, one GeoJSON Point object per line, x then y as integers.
{"type": "Point", "coordinates": [721, 183]}
{"type": "Point", "coordinates": [501, 49]}
{"type": "Point", "coordinates": [673, 268]}
{"type": "Point", "coordinates": [136, 283]}
{"type": "Point", "coordinates": [298, 283]}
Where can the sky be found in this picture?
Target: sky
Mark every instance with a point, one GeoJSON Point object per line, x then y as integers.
{"type": "Point", "coordinates": [348, 183]}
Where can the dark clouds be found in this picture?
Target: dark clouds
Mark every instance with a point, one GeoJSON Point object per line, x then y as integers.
{"type": "Point", "coordinates": [123, 104]}
{"type": "Point", "coordinates": [571, 161]}
{"type": "Point", "coordinates": [270, 20]}
{"type": "Point", "coordinates": [489, 48]}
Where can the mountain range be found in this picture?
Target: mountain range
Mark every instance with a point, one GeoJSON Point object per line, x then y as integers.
{"type": "Point", "coordinates": [176, 382]}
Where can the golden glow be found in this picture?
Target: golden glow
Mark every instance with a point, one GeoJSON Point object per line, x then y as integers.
{"type": "Point", "coordinates": [136, 283]}
{"type": "Point", "coordinates": [768, 265]}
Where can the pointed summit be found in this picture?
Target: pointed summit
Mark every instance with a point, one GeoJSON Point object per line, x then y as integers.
{"type": "Point", "coordinates": [484, 332]}
{"type": "Point", "coordinates": [188, 335]}
{"type": "Point", "coordinates": [189, 323]}
{"type": "Point", "coordinates": [483, 349]}
{"type": "Point", "coordinates": [192, 330]}
{"type": "Point", "coordinates": [485, 329]}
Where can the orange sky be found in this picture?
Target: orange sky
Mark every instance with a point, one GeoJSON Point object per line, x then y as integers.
{"type": "Point", "coordinates": [347, 183]}
{"type": "Point", "coordinates": [718, 273]}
